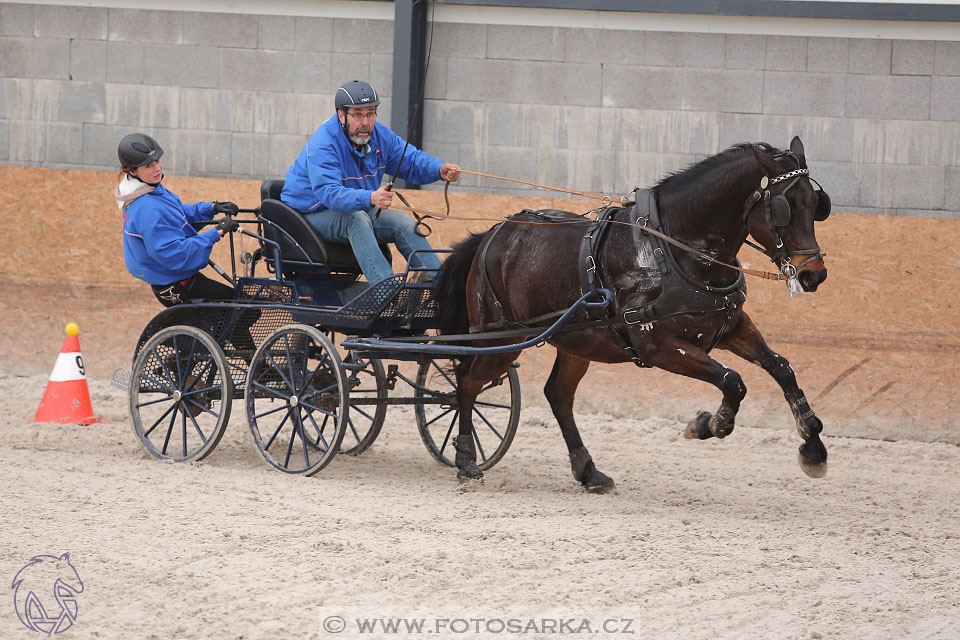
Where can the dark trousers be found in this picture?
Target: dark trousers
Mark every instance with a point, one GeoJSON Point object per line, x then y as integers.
{"type": "Point", "coordinates": [199, 287]}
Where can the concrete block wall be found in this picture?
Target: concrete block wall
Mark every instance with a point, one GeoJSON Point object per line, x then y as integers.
{"type": "Point", "coordinates": [227, 95]}
{"type": "Point", "coordinates": [605, 110]}
{"type": "Point", "coordinates": [599, 110]}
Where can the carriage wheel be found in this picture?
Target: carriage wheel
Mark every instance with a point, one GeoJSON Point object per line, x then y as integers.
{"type": "Point", "coordinates": [180, 394]}
{"type": "Point", "coordinates": [495, 414]}
{"type": "Point", "coordinates": [297, 399]}
{"type": "Point", "coordinates": [368, 407]}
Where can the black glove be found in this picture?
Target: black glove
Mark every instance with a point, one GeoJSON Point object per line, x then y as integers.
{"type": "Point", "coordinates": [227, 208]}
{"type": "Point", "coordinates": [227, 225]}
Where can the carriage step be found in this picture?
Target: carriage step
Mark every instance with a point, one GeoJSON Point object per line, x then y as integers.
{"type": "Point", "coordinates": [121, 379]}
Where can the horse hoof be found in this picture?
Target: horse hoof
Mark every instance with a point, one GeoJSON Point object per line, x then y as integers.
{"type": "Point", "coordinates": [699, 427]}
{"type": "Point", "coordinates": [600, 483]}
{"type": "Point", "coordinates": [469, 473]}
{"type": "Point", "coordinates": [813, 458]}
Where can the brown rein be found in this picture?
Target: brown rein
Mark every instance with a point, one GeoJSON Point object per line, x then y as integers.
{"type": "Point", "coordinates": [421, 215]}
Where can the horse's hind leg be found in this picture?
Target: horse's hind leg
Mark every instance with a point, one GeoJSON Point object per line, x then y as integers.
{"type": "Point", "coordinates": [560, 389]}
{"type": "Point", "coordinates": [473, 373]}
{"type": "Point", "coordinates": [747, 342]}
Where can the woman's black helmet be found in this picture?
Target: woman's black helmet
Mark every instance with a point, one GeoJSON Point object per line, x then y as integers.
{"type": "Point", "coordinates": [138, 150]}
{"type": "Point", "coordinates": [356, 93]}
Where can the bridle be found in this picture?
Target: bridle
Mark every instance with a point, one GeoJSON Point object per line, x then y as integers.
{"type": "Point", "coordinates": [778, 215]}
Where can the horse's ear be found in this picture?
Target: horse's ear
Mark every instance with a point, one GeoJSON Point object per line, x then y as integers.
{"type": "Point", "coordinates": [796, 147]}
{"type": "Point", "coordinates": [766, 161]}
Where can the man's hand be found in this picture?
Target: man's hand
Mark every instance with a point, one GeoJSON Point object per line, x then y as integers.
{"type": "Point", "coordinates": [450, 172]}
{"type": "Point", "coordinates": [381, 198]}
{"type": "Point", "coordinates": [227, 208]}
{"type": "Point", "coordinates": [227, 225]}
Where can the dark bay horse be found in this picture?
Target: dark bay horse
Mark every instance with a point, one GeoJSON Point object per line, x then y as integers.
{"type": "Point", "coordinates": [670, 305]}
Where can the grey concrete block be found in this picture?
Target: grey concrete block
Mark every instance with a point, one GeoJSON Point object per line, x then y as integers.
{"type": "Point", "coordinates": [901, 186]}
{"type": "Point", "coordinates": [604, 45]}
{"type": "Point", "coordinates": [913, 57]}
{"type": "Point", "coordinates": [216, 109]}
{"type": "Point", "coordinates": [314, 34]}
{"type": "Point", "coordinates": [525, 43]}
{"type": "Point", "coordinates": [922, 143]}
{"type": "Point", "coordinates": [464, 122]}
{"type": "Point", "coordinates": [811, 94]}
{"type": "Point", "coordinates": [744, 52]}
{"type": "Point", "coordinates": [828, 55]}
{"type": "Point", "coordinates": [312, 72]}
{"type": "Point", "coordinates": [515, 162]}
{"type": "Point", "coordinates": [951, 190]}
{"type": "Point", "coordinates": [594, 171]}
{"type": "Point", "coordinates": [734, 128]}
{"type": "Point", "coordinates": [381, 73]}
{"type": "Point", "coordinates": [345, 67]}
{"type": "Point", "coordinates": [257, 70]}
{"type": "Point", "coordinates": [825, 139]}
{"type": "Point", "coordinates": [59, 21]}
{"type": "Point", "coordinates": [436, 82]}
{"type": "Point", "coordinates": [287, 113]}
{"type": "Point", "coordinates": [4, 139]}
{"type": "Point", "coordinates": [535, 126]}
{"type": "Point", "coordinates": [200, 153]}
{"type": "Point", "coordinates": [276, 32]}
{"type": "Point", "coordinates": [870, 56]}
{"type": "Point", "coordinates": [531, 83]}
{"type": "Point", "coordinates": [15, 97]}
{"type": "Point", "coordinates": [34, 57]}
{"type": "Point", "coordinates": [647, 169]}
{"type": "Point", "coordinates": [100, 145]}
{"type": "Point", "coordinates": [698, 50]}
{"type": "Point", "coordinates": [28, 141]}
{"type": "Point", "coordinates": [362, 36]}
{"type": "Point", "coordinates": [248, 157]}
{"type": "Point", "coordinates": [183, 66]}
{"type": "Point", "coordinates": [283, 150]}
{"type": "Point", "coordinates": [16, 19]}
{"type": "Point", "coordinates": [460, 40]}
{"type": "Point", "coordinates": [140, 25]}
{"type": "Point", "coordinates": [88, 60]}
{"type": "Point", "coordinates": [56, 100]}
{"type": "Point", "coordinates": [64, 143]}
{"type": "Point", "coordinates": [947, 59]}
{"type": "Point", "coordinates": [839, 179]}
{"type": "Point", "coordinates": [124, 62]}
{"type": "Point", "coordinates": [722, 90]}
{"type": "Point", "coordinates": [220, 29]}
{"type": "Point", "coordinates": [642, 87]}
{"type": "Point", "coordinates": [786, 53]}
{"type": "Point", "coordinates": [635, 130]}
{"type": "Point", "coordinates": [945, 98]}
{"type": "Point", "coordinates": [143, 106]}
{"type": "Point", "coordinates": [900, 97]}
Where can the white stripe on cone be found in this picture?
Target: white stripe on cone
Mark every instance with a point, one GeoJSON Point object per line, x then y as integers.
{"type": "Point", "coordinates": [69, 366]}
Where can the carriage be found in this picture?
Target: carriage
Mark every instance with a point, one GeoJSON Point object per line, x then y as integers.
{"type": "Point", "coordinates": [278, 346]}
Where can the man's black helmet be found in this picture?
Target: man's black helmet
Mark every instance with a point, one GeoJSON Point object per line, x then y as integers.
{"type": "Point", "coordinates": [356, 93]}
{"type": "Point", "coordinates": [138, 150]}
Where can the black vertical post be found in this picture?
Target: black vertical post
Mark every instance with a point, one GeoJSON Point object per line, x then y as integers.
{"type": "Point", "coordinates": [409, 60]}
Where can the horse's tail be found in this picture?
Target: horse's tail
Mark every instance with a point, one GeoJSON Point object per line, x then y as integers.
{"type": "Point", "coordinates": [450, 288]}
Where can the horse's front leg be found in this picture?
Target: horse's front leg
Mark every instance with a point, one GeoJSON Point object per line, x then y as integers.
{"type": "Point", "coordinates": [679, 356]}
{"type": "Point", "coordinates": [560, 390]}
{"type": "Point", "coordinates": [746, 341]}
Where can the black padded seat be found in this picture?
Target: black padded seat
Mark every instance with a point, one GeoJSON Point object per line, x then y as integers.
{"type": "Point", "coordinates": [301, 248]}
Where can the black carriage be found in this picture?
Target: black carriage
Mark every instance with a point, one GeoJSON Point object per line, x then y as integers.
{"type": "Point", "coordinates": [278, 347]}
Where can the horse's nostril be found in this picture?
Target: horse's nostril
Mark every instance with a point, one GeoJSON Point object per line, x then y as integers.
{"type": "Point", "coordinates": [811, 279]}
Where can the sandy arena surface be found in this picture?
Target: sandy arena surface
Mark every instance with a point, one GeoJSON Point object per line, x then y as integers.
{"type": "Point", "coordinates": [713, 539]}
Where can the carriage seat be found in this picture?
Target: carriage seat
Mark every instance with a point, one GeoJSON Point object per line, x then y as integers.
{"type": "Point", "coordinates": [303, 250]}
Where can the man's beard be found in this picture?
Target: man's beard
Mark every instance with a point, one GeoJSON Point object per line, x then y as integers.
{"type": "Point", "coordinates": [356, 138]}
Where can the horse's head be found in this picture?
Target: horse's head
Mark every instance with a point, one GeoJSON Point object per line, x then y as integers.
{"type": "Point", "coordinates": [781, 212]}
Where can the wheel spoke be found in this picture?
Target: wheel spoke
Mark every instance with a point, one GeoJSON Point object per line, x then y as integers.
{"type": "Point", "coordinates": [277, 432]}
{"type": "Point", "coordinates": [484, 418]}
{"type": "Point", "coordinates": [446, 438]}
{"type": "Point", "coordinates": [166, 441]}
{"type": "Point", "coordinates": [276, 392]}
{"type": "Point", "coordinates": [319, 429]}
{"type": "Point", "coordinates": [438, 417]}
{"type": "Point", "coordinates": [492, 405]}
{"type": "Point", "coordinates": [476, 439]}
{"type": "Point", "coordinates": [173, 406]}
{"type": "Point", "coordinates": [282, 407]}
{"type": "Point", "coordinates": [446, 377]}
{"type": "Point", "coordinates": [303, 441]}
{"type": "Point", "coordinates": [293, 436]}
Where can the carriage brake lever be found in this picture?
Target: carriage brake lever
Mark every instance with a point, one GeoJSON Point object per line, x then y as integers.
{"type": "Point", "coordinates": [223, 273]}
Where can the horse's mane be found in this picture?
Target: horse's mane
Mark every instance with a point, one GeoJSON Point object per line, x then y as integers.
{"type": "Point", "coordinates": [683, 177]}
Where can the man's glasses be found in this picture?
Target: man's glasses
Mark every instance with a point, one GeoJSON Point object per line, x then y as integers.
{"type": "Point", "coordinates": [360, 117]}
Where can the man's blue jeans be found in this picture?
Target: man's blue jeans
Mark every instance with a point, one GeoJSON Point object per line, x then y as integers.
{"type": "Point", "coordinates": [363, 233]}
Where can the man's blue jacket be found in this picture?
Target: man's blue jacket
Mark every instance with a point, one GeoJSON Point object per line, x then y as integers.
{"type": "Point", "coordinates": [330, 173]}
{"type": "Point", "coordinates": [160, 246]}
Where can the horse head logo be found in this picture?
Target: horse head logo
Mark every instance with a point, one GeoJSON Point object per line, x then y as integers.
{"type": "Point", "coordinates": [45, 594]}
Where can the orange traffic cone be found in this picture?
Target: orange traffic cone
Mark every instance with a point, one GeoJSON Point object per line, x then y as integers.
{"type": "Point", "coordinates": [67, 398]}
